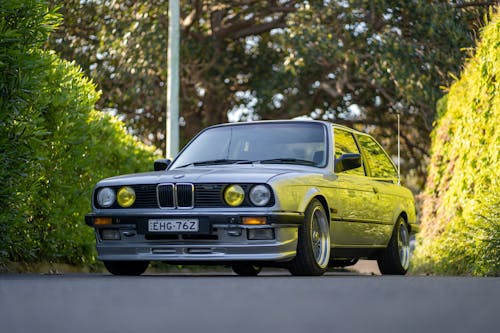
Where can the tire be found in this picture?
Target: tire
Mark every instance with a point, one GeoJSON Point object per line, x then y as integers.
{"type": "Point", "coordinates": [313, 246]}
{"type": "Point", "coordinates": [132, 268]}
{"type": "Point", "coordinates": [246, 269]}
{"type": "Point", "coordinates": [395, 259]}
{"type": "Point", "coordinates": [341, 263]}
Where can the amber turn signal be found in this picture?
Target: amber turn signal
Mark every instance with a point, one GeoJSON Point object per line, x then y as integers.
{"type": "Point", "coordinates": [103, 220]}
{"type": "Point", "coordinates": [254, 220]}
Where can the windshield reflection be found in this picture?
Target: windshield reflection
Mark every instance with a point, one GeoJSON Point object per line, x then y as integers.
{"type": "Point", "coordinates": [270, 143]}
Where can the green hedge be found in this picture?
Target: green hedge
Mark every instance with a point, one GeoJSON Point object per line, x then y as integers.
{"type": "Point", "coordinates": [461, 206]}
{"type": "Point", "coordinates": [53, 145]}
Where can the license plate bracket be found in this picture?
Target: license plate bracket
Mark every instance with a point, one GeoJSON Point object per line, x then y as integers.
{"type": "Point", "coordinates": [173, 225]}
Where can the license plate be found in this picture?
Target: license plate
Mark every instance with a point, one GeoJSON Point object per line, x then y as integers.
{"type": "Point", "coordinates": [173, 225]}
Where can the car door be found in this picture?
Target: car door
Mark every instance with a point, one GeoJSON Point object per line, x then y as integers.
{"type": "Point", "coordinates": [383, 178]}
{"type": "Point", "coordinates": [355, 198]}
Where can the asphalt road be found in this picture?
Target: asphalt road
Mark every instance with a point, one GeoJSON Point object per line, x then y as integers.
{"type": "Point", "coordinates": [274, 302]}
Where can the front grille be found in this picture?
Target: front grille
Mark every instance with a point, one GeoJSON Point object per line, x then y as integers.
{"type": "Point", "coordinates": [208, 195]}
{"type": "Point", "coordinates": [166, 195]}
{"type": "Point", "coordinates": [180, 195]}
{"type": "Point", "coordinates": [145, 196]}
{"type": "Point", "coordinates": [185, 195]}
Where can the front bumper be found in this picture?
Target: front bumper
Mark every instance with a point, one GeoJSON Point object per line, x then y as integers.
{"type": "Point", "coordinates": [222, 239]}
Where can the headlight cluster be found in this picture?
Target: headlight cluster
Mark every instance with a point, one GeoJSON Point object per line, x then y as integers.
{"type": "Point", "coordinates": [106, 197]}
{"type": "Point", "coordinates": [259, 195]}
{"type": "Point", "coordinates": [234, 195]}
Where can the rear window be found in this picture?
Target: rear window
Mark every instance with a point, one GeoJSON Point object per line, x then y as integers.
{"type": "Point", "coordinates": [379, 163]}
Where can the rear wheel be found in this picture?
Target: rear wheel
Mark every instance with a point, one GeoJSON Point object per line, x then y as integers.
{"type": "Point", "coordinates": [313, 246]}
{"type": "Point", "coordinates": [395, 259]}
{"type": "Point", "coordinates": [246, 269]}
{"type": "Point", "coordinates": [132, 268]}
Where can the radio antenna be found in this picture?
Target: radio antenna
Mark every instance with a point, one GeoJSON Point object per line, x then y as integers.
{"type": "Point", "coordinates": [399, 152]}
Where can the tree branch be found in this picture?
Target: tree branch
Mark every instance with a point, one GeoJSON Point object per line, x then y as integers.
{"type": "Point", "coordinates": [235, 27]}
{"type": "Point", "coordinates": [188, 21]}
{"type": "Point", "coordinates": [259, 28]}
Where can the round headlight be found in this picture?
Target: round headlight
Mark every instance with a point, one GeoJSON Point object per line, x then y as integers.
{"type": "Point", "coordinates": [126, 196]}
{"type": "Point", "coordinates": [234, 195]}
{"type": "Point", "coordinates": [260, 195]}
{"type": "Point", "coordinates": [106, 197]}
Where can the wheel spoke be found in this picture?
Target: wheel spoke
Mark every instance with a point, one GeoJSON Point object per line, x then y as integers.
{"type": "Point", "coordinates": [403, 246]}
{"type": "Point", "coordinates": [320, 238]}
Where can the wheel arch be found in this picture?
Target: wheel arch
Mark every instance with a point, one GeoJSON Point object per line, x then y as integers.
{"type": "Point", "coordinates": [310, 195]}
{"type": "Point", "coordinates": [404, 215]}
{"type": "Point", "coordinates": [324, 203]}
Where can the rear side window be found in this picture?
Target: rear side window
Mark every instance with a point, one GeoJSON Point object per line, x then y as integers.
{"type": "Point", "coordinates": [345, 144]}
{"type": "Point", "coordinates": [378, 161]}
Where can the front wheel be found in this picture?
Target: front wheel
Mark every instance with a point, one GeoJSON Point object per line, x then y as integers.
{"type": "Point", "coordinates": [132, 268]}
{"type": "Point", "coordinates": [395, 259]}
{"type": "Point", "coordinates": [313, 246]}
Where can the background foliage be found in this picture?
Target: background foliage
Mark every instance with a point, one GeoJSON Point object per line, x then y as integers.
{"type": "Point", "coordinates": [461, 210]}
{"type": "Point", "coordinates": [53, 145]}
{"type": "Point", "coordinates": [357, 62]}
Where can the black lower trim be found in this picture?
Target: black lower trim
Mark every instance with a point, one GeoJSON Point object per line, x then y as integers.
{"type": "Point", "coordinates": [355, 252]}
{"type": "Point", "coordinates": [141, 220]}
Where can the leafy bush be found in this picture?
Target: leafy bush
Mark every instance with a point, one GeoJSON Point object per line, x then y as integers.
{"type": "Point", "coordinates": [461, 206]}
{"type": "Point", "coordinates": [53, 145]}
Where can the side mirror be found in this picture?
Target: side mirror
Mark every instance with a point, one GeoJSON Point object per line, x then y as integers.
{"type": "Point", "coordinates": [162, 164]}
{"type": "Point", "coordinates": [347, 162]}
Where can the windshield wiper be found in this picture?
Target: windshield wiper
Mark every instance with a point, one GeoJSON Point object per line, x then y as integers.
{"type": "Point", "coordinates": [268, 161]}
{"type": "Point", "coordinates": [287, 161]}
{"type": "Point", "coordinates": [215, 162]}
{"type": "Point", "coordinates": [185, 165]}
{"type": "Point", "coordinates": [219, 161]}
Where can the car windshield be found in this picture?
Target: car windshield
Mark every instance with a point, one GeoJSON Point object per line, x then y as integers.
{"type": "Point", "coordinates": [266, 143]}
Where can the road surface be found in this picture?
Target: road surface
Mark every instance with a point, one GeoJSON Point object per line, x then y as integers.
{"type": "Point", "coordinates": [273, 302]}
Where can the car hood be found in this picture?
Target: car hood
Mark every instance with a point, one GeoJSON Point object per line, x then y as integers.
{"type": "Point", "coordinates": [224, 174]}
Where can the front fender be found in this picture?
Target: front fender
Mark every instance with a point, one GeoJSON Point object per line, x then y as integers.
{"type": "Point", "coordinates": [308, 197]}
{"type": "Point", "coordinates": [295, 198]}
{"type": "Point", "coordinates": [294, 192]}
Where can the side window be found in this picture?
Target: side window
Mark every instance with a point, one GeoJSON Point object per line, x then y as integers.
{"type": "Point", "coordinates": [380, 164]}
{"type": "Point", "coordinates": [345, 144]}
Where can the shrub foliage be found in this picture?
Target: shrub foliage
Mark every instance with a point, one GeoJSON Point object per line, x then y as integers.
{"type": "Point", "coordinates": [461, 207]}
{"type": "Point", "coordinates": [53, 145]}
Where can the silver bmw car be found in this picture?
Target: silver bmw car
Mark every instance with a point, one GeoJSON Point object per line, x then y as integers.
{"type": "Point", "coordinates": [302, 195]}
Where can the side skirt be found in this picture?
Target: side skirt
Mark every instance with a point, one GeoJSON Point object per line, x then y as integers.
{"type": "Point", "coordinates": [356, 252]}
